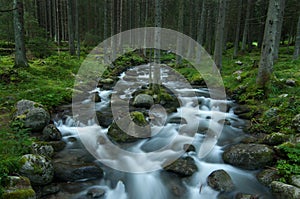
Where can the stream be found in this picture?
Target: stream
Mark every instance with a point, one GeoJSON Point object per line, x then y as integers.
{"type": "Point", "coordinates": [141, 176]}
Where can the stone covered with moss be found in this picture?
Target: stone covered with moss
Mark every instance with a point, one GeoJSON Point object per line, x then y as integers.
{"type": "Point", "coordinates": [18, 188]}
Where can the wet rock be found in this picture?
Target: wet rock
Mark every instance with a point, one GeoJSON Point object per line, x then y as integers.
{"type": "Point", "coordinates": [248, 156]}
{"type": "Point", "coordinates": [105, 118]}
{"type": "Point", "coordinates": [296, 122]}
{"type": "Point", "coordinates": [51, 133]}
{"type": "Point", "coordinates": [96, 98]}
{"type": "Point", "coordinates": [132, 132]}
{"type": "Point", "coordinates": [189, 148]}
{"type": "Point", "coordinates": [246, 196]}
{"type": "Point", "coordinates": [290, 82]}
{"type": "Point", "coordinates": [267, 176]}
{"type": "Point", "coordinates": [42, 149]}
{"type": "Point", "coordinates": [37, 168]}
{"type": "Point", "coordinates": [47, 190]}
{"type": "Point", "coordinates": [106, 81]}
{"type": "Point", "coordinates": [143, 101]}
{"type": "Point", "coordinates": [66, 172]}
{"type": "Point", "coordinates": [243, 111]}
{"type": "Point", "coordinates": [275, 139]}
{"type": "Point", "coordinates": [295, 180]}
{"type": "Point", "coordinates": [95, 192]}
{"type": "Point", "coordinates": [183, 167]}
{"type": "Point", "coordinates": [284, 191]}
{"type": "Point", "coordinates": [57, 145]}
{"type": "Point", "coordinates": [31, 114]}
{"type": "Point", "coordinates": [18, 187]}
{"type": "Point", "coordinates": [221, 181]}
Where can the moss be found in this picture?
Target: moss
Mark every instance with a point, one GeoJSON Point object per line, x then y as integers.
{"type": "Point", "coordinates": [20, 194]}
{"type": "Point", "coordinates": [138, 118]}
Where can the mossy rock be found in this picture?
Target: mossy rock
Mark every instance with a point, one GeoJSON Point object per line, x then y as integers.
{"type": "Point", "coordinates": [20, 194]}
{"type": "Point", "coordinates": [18, 188]}
{"type": "Point", "coordinates": [275, 139]}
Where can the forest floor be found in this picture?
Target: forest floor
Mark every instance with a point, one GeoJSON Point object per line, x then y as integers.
{"type": "Point", "coordinates": [50, 80]}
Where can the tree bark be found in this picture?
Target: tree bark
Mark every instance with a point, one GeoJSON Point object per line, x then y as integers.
{"type": "Point", "coordinates": [220, 34]}
{"type": "Point", "coordinates": [20, 56]}
{"type": "Point", "coordinates": [180, 29]}
{"type": "Point", "coordinates": [77, 27]}
{"type": "Point", "coordinates": [279, 28]}
{"type": "Point", "coordinates": [297, 43]}
{"type": "Point", "coordinates": [246, 26]}
{"type": "Point", "coordinates": [202, 24]}
{"type": "Point", "coordinates": [238, 28]}
{"type": "Point", "coordinates": [71, 27]}
{"type": "Point", "coordinates": [267, 53]}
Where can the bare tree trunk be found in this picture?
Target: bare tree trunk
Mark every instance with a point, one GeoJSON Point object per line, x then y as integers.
{"type": "Point", "coordinates": [70, 28]}
{"type": "Point", "coordinates": [220, 34]}
{"type": "Point", "coordinates": [238, 28]}
{"type": "Point", "coordinates": [180, 29]}
{"type": "Point", "coordinates": [246, 26]}
{"type": "Point", "coordinates": [297, 43]}
{"type": "Point", "coordinates": [267, 53]}
{"type": "Point", "coordinates": [20, 56]}
{"type": "Point", "coordinates": [77, 28]}
{"type": "Point", "coordinates": [202, 24]}
{"type": "Point", "coordinates": [279, 27]}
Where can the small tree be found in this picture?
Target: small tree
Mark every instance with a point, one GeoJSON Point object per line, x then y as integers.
{"type": "Point", "coordinates": [20, 57]}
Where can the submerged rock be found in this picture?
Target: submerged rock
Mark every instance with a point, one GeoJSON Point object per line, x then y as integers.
{"type": "Point", "coordinates": [183, 166]}
{"type": "Point", "coordinates": [246, 196]}
{"type": "Point", "coordinates": [18, 187]}
{"type": "Point", "coordinates": [248, 156]}
{"type": "Point", "coordinates": [95, 192]}
{"type": "Point", "coordinates": [51, 133]}
{"type": "Point", "coordinates": [66, 172]}
{"type": "Point", "coordinates": [284, 191]}
{"type": "Point", "coordinates": [220, 180]}
{"type": "Point", "coordinates": [37, 168]}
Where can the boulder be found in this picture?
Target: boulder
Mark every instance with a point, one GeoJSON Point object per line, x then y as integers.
{"type": "Point", "coordinates": [296, 122]}
{"type": "Point", "coordinates": [248, 156]}
{"type": "Point", "coordinates": [143, 101]}
{"type": "Point", "coordinates": [183, 167]}
{"type": "Point", "coordinates": [66, 172]}
{"type": "Point", "coordinates": [51, 133]}
{"type": "Point", "coordinates": [220, 180]}
{"type": "Point", "coordinates": [275, 139]}
{"type": "Point", "coordinates": [246, 196]}
{"type": "Point", "coordinates": [95, 192]}
{"type": "Point", "coordinates": [42, 149]}
{"type": "Point", "coordinates": [243, 111]}
{"type": "Point", "coordinates": [31, 114]}
{"type": "Point", "coordinates": [37, 168]}
{"type": "Point", "coordinates": [57, 145]}
{"type": "Point", "coordinates": [284, 191]}
{"type": "Point", "coordinates": [116, 134]}
{"type": "Point", "coordinates": [295, 180]}
{"type": "Point", "coordinates": [50, 189]}
{"type": "Point", "coordinates": [290, 82]}
{"type": "Point", "coordinates": [267, 176]}
{"type": "Point", "coordinates": [104, 117]}
{"type": "Point", "coordinates": [18, 187]}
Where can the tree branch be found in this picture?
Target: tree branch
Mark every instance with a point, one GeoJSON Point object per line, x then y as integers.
{"type": "Point", "coordinates": [8, 10]}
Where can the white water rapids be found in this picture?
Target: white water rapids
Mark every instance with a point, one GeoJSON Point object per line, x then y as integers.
{"type": "Point", "coordinates": [205, 118]}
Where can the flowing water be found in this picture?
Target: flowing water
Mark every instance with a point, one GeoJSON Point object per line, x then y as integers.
{"type": "Point", "coordinates": [145, 178]}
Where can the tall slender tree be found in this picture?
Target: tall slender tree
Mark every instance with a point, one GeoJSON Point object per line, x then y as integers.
{"type": "Point", "coordinates": [246, 25]}
{"type": "Point", "coordinates": [220, 34]}
{"type": "Point", "coordinates": [20, 51]}
{"type": "Point", "coordinates": [238, 28]}
{"type": "Point", "coordinates": [267, 53]}
{"type": "Point", "coordinates": [70, 27]}
{"type": "Point", "coordinates": [297, 43]}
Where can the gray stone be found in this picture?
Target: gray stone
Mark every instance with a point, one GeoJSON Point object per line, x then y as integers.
{"type": "Point", "coordinates": [42, 149]}
{"type": "Point", "coordinates": [267, 176]}
{"type": "Point", "coordinates": [66, 172]}
{"type": "Point", "coordinates": [143, 101]}
{"type": "Point", "coordinates": [296, 122]}
{"type": "Point", "coordinates": [295, 180]}
{"type": "Point", "coordinates": [220, 180]}
{"type": "Point", "coordinates": [284, 191]}
{"type": "Point", "coordinates": [246, 196]}
{"type": "Point", "coordinates": [290, 82]}
{"type": "Point", "coordinates": [248, 156]}
{"type": "Point", "coordinates": [96, 192]}
{"type": "Point", "coordinates": [37, 168]}
{"type": "Point", "coordinates": [275, 139]}
{"type": "Point", "coordinates": [51, 133]}
{"type": "Point", "coordinates": [18, 187]}
{"type": "Point", "coordinates": [183, 167]}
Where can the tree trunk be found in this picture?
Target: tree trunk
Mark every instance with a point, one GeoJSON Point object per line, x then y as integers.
{"type": "Point", "coordinates": [20, 57]}
{"type": "Point", "coordinates": [279, 27]}
{"type": "Point", "coordinates": [267, 53]}
{"type": "Point", "coordinates": [77, 28]}
{"type": "Point", "coordinates": [209, 30]}
{"type": "Point", "coordinates": [246, 26]}
{"type": "Point", "coordinates": [70, 27]}
{"type": "Point", "coordinates": [202, 24]}
{"type": "Point", "coordinates": [238, 28]}
{"type": "Point", "coordinates": [297, 43]}
{"type": "Point", "coordinates": [180, 29]}
{"type": "Point", "coordinates": [220, 34]}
